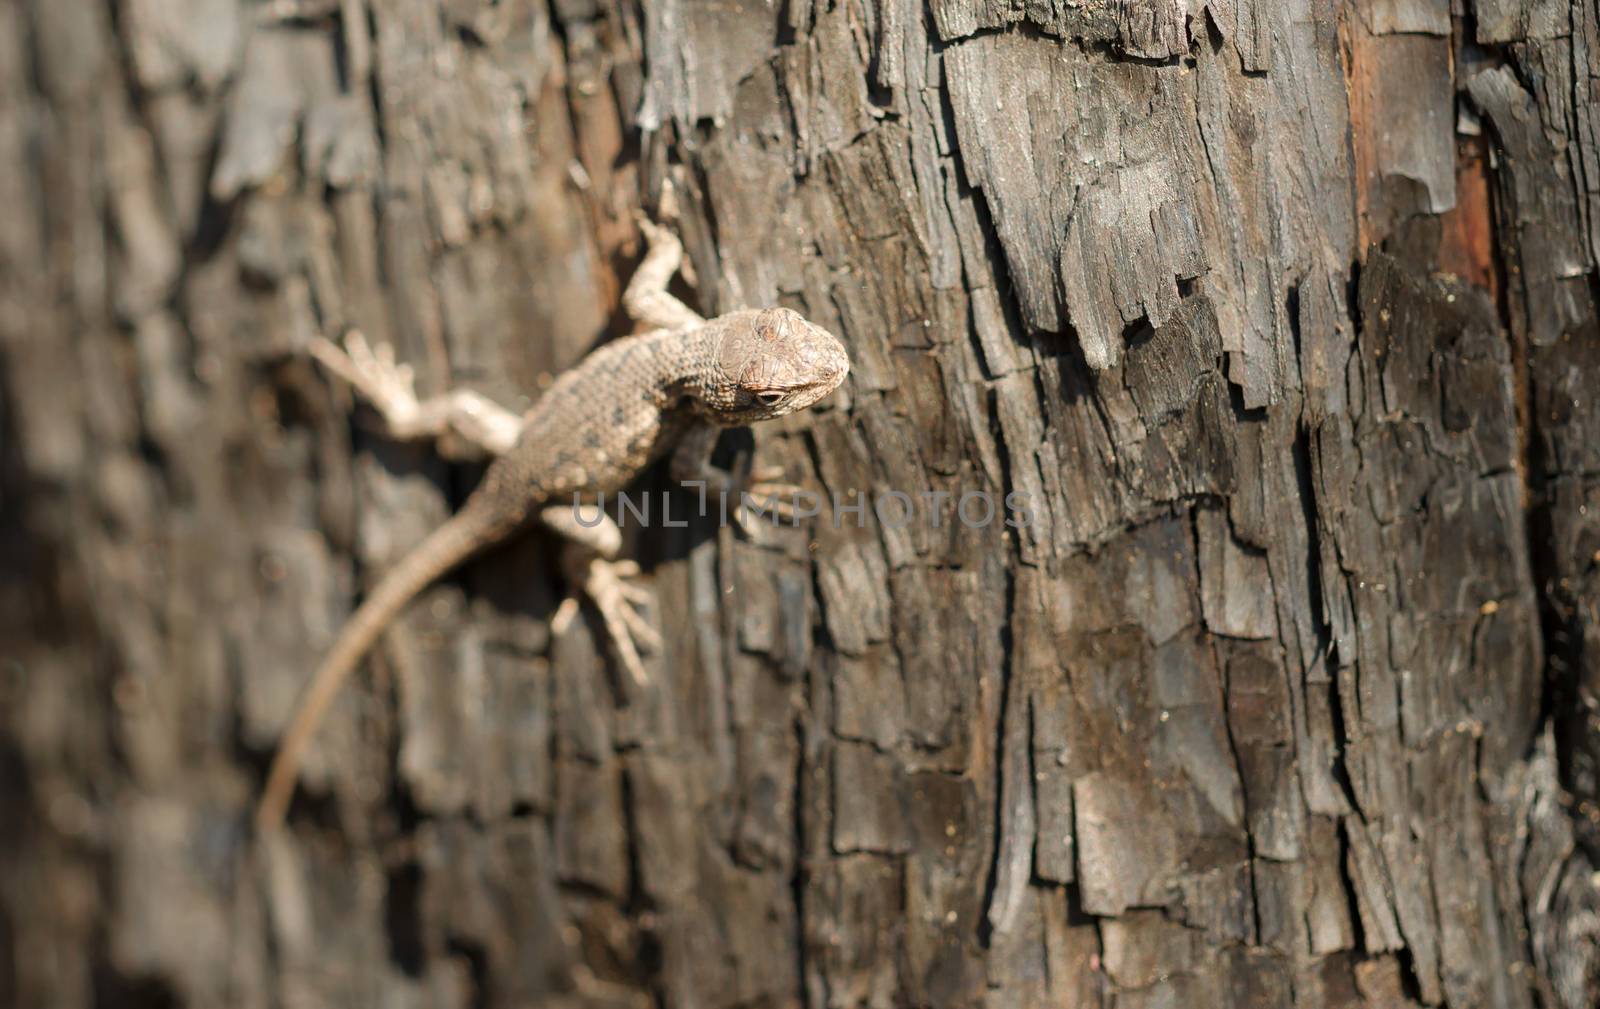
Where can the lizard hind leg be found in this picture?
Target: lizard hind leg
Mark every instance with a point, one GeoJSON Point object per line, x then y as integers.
{"type": "Point", "coordinates": [589, 563]}
{"type": "Point", "coordinates": [458, 419]}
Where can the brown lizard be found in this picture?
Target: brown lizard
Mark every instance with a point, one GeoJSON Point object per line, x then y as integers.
{"type": "Point", "coordinates": [627, 404]}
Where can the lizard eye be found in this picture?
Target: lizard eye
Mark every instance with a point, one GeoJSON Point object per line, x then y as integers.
{"type": "Point", "coordinates": [769, 398]}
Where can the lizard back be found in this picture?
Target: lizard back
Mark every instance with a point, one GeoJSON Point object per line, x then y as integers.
{"type": "Point", "coordinates": [600, 423]}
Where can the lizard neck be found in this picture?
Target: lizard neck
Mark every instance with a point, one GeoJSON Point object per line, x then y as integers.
{"type": "Point", "coordinates": [689, 374]}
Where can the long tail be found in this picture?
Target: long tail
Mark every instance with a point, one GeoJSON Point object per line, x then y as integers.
{"type": "Point", "coordinates": [464, 534]}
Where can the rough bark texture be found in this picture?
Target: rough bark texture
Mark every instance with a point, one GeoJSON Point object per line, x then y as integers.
{"type": "Point", "coordinates": [1281, 316]}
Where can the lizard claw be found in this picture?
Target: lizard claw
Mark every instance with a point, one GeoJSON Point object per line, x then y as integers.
{"type": "Point", "coordinates": [668, 208]}
{"type": "Point", "coordinates": [618, 600]}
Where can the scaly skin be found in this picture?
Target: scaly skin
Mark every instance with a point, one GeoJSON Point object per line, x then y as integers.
{"type": "Point", "coordinates": [602, 422]}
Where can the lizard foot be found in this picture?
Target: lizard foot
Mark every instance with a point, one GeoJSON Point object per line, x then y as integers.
{"type": "Point", "coordinates": [661, 236]}
{"type": "Point", "coordinates": [618, 600]}
{"type": "Point", "coordinates": [655, 234]}
{"type": "Point", "coordinates": [373, 372]}
{"type": "Point", "coordinates": [764, 494]}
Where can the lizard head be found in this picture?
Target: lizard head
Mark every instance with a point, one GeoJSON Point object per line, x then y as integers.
{"type": "Point", "coordinates": [771, 362]}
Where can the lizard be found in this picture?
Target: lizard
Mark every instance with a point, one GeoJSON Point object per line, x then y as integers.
{"type": "Point", "coordinates": [669, 390]}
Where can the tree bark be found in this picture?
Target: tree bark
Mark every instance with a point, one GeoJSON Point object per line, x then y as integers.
{"type": "Point", "coordinates": [1276, 322]}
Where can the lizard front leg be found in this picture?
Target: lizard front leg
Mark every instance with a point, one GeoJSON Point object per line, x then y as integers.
{"type": "Point", "coordinates": [646, 300]}
{"type": "Point", "coordinates": [762, 488]}
{"type": "Point", "coordinates": [589, 561]}
{"type": "Point", "coordinates": [460, 415]}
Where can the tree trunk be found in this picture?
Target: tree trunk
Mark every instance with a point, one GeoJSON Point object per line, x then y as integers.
{"type": "Point", "coordinates": [1274, 323]}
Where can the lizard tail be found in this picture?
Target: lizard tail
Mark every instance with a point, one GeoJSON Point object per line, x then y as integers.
{"type": "Point", "coordinates": [460, 537]}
